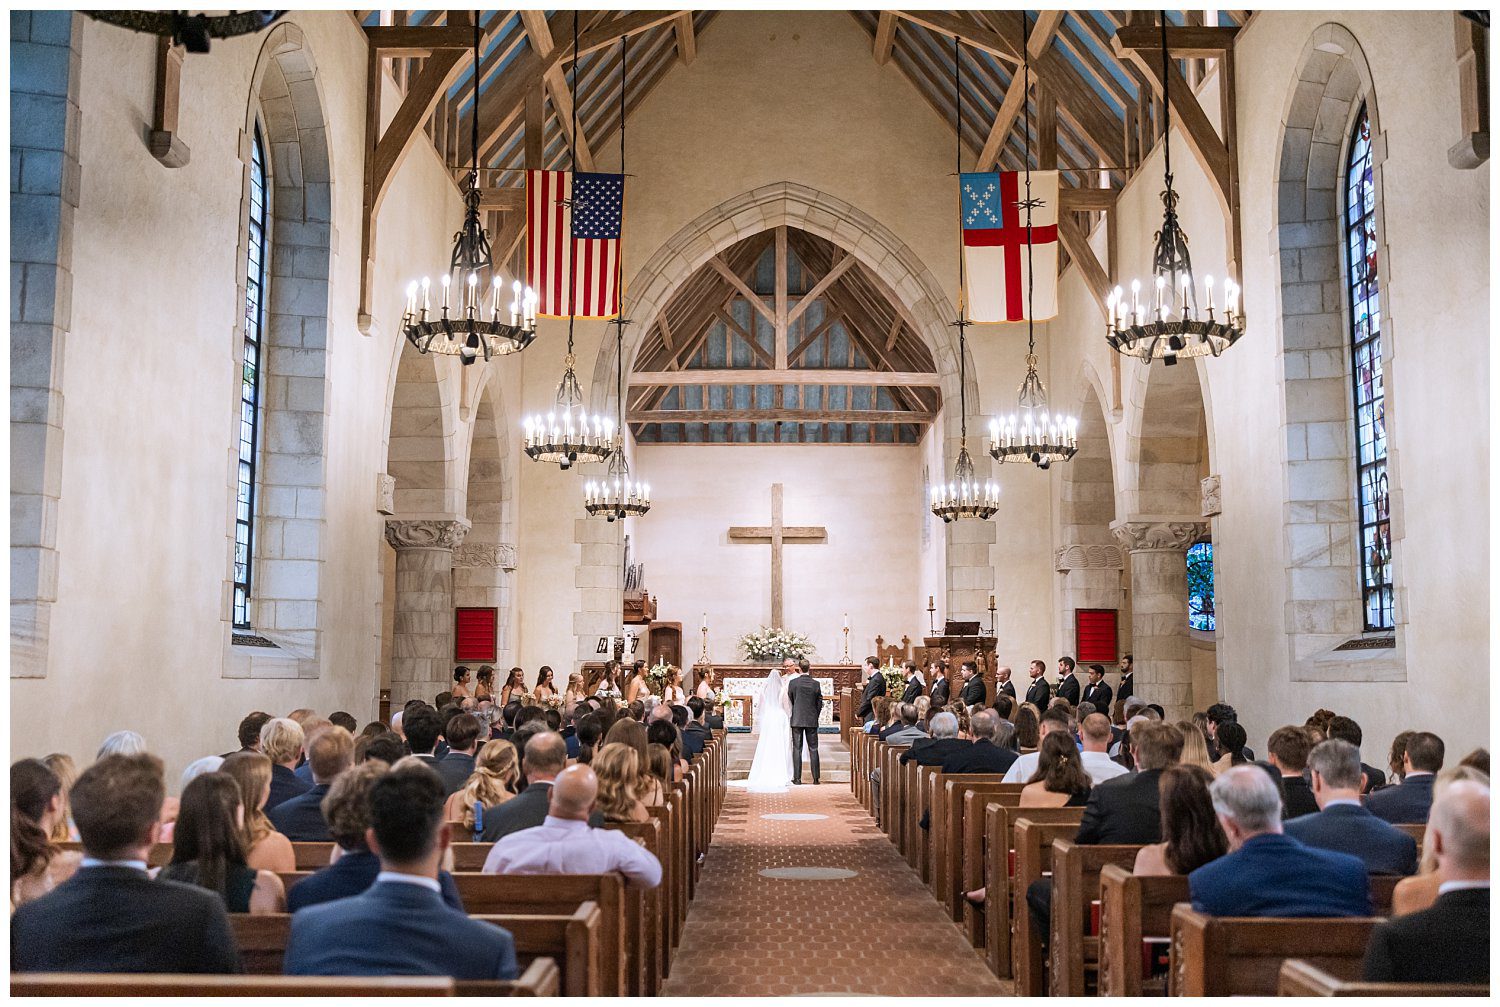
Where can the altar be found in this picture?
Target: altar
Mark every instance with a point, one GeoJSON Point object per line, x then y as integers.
{"type": "Point", "coordinates": [742, 683]}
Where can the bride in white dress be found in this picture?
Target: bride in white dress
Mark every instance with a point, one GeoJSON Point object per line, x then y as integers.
{"type": "Point", "coordinates": [771, 770]}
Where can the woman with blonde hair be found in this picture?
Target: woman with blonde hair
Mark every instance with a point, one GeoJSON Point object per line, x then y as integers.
{"type": "Point", "coordinates": [627, 731]}
{"type": "Point", "coordinates": [673, 692]}
{"type": "Point", "coordinates": [1060, 780]}
{"type": "Point", "coordinates": [661, 766]}
{"type": "Point", "coordinates": [704, 690]}
{"type": "Point", "coordinates": [63, 766]}
{"type": "Point", "coordinates": [493, 782]}
{"type": "Point", "coordinates": [1420, 891]}
{"type": "Point", "coordinates": [617, 768]}
{"type": "Point", "coordinates": [575, 692]}
{"type": "Point", "coordinates": [266, 849]}
{"type": "Point", "coordinates": [1194, 746]}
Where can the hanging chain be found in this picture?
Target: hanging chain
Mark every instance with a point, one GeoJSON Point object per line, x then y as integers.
{"type": "Point", "coordinates": [573, 178]}
{"type": "Point", "coordinates": [474, 119]}
{"type": "Point", "coordinates": [1030, 270]}
{"type": "Point", "coordinates": [620, 262]}
{"type": "Point", "coordinates": [1166, 103]}
{"type": "Point", "coordinates": [958, 159]}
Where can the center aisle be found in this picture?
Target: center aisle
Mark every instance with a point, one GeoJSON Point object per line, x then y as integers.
{"type": "Point", "coordinates": [871, 928]}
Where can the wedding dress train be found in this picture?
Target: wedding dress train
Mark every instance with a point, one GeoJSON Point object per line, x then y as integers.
{"type": "Point", "coordinates": [771, 769]}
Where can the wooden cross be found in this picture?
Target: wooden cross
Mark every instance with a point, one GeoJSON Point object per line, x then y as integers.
{"type": "Point", "coordinates": [776, 535]}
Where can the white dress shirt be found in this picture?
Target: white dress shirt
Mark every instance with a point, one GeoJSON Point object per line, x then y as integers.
{"type": "Point", "coordinates": [1098, 765]}
{"type": "Point", "coordinates": [568, 846]}
{"type": "Point", "coordinates": [409, 879]}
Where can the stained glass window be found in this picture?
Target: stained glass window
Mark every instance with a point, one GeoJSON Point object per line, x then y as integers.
{"type": "Point", "coordinates": [255, 313]}
{"type": "Point", "coordinates": [1369, 382]}
{"type": "Point", "coordinates": [1200, 570]}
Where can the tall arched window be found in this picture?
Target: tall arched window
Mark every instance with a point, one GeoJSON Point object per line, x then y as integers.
{"type": "Point", "coordinates": [1369, 382]}
{"type": "Point", "coordinates": [256, 272]}
{"type": "Point", "coordinates": [1200, 576]}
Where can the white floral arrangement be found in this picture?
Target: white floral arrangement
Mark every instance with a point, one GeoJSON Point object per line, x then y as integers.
{"type": "Point", "coordinates": [767, 644]}
{"type": "Point", "coordinates": [657, 676]}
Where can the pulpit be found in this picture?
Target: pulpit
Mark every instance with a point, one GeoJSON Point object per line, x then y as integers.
{"type": "Point", "coordinates": [956, 648]}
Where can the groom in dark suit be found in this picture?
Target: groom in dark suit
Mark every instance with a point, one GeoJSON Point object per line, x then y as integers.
{"type": "Point", "coordinates": [807, 703]}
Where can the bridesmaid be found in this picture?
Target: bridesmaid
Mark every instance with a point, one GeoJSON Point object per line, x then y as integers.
{"type": "Point", "coordinates": [544, 687]}
{"type": "Point", "coordinates": [461, 684]}
{"type": "Point", "coordinates": [672, 691]}
{"type": "Point", "coordinates": [706, 690]}
{"type": "Point", "coordinates": [574, 693]}
{"type": "Point", "coordinates": [515, 686]}
{"type": "Point", "coordinates": [484, 683]}
{"type": "Point", "coordinates": [609, 685]}
{"type": "Point", "coordinates": [637, 687]}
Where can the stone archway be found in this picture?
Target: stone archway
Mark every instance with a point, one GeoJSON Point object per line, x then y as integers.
{"type": "Point", "coordinates": [908, 284]}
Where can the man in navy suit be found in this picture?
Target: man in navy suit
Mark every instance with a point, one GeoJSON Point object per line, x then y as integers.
{"type": "Point", "coordinates": [1449, 942]}
{"type": "Point", "coordinates": [301, 818]}
{"type": "Point", "coordinates": [1347, 729]}
{"type": "Point", "coordinates": [544, 755]}
{"type": "Point", "coordinates": [1267, 873]}
{"type": "Point", "coordinates": [310, 727]}
{"type": "Point", "coordinates": [455, 768]}
{"type": "Point", "coordinates": [401, 925]}
{"type": "Point", "coordinates": [874, 686]}
{"type": "Point", "coordinates": [983, 756]}
{"type": "Point", "coordinates": [1288, 749]}
{"type": "Point", "coordinates": [110, 916]}
{"type": "Point", "coordinates": [281, 741]}
{"type": "Point", "coordinates": [1344, 825]}
{"type": "Point", "coordinates": [1408, 802]}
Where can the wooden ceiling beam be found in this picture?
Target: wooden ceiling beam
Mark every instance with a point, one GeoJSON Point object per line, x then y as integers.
{"type": "Point", "coordinates": [923, 417]}
{"type": "Point", "coordinates": [687, 40]}
{"type": "Point", "coordinates": [974, 34]}
{"type": "Point", "coordinates": [756, 301]}
{"type": "Point", "coordinates": [787, 376]}
{"type": "Point", "coordinates": [806, 300]}
{"type": "Point", "coordinates": [885, 37]}
{"type": "Point", "coordinates": [534, 23]}
{"type": "Point", "coordinates": [1187, 42]}
{"type": "Point", "coordinates": [1043, 30]}
{"type": "Point", "coordinates": [1076, 243]}
{"type": "Point", "coordinates": [395, 42]}
{"type": "Point", "coordinates": [744, 337]}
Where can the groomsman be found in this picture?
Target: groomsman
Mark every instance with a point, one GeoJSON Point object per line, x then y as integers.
{"type": "Point", "coordinates": [874, 686]}
{"type": "Point", "coordinates": [937, 671]}
{"type": "Point", "coordinates": [973, 693]}
{"type": "Point", "coordinates": [1040, 693]}
{"type": "Point", "coordinates": [913, 683]}
{"type": "Point", "coordinates": [1127, 678]}
{"type": "Point", "coordinates": [1098, 691]}
{"type": "Point", "coordinates": [1003, 684]}
{"type": "Point", "coordinates": [1067, 682]}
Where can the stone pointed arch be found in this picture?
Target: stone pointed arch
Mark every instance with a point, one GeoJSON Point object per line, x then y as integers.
{"type": "Point", "coordinates": [1320, 527]}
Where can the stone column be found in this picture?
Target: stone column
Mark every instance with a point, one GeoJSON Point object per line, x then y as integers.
{"type": "Point", "coordinates": [1091, 579]}
{"type": "Point", "coordinates": [423, 638]}
{"type": "Point", "coordinates": [482, 574]}
{"type": "Point", "coordinates": [1159, 609]}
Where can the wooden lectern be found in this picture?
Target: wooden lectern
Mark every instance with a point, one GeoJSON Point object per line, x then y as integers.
{"type": "Point", "coordinates": [960, 642]}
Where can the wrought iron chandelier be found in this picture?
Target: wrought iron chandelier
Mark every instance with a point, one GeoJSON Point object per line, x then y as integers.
{"type": "Point", "coordinates": [963, 497]}
{"type": "Point", "coordinates": [568, 435]}
{"type": "Point", "coordinates": [1032, 434]}
{"type": "Point", "coordinates": [618, 496]}
{"type": "Point", "coordinates": [461, 328]}
{"type": "Point", "coordinates": [190, 30]}
{"type": "Point", "coordinates": [1169, 324]}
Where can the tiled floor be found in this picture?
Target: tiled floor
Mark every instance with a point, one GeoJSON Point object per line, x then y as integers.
{"type": "Point", "coordinates": [879, 932]}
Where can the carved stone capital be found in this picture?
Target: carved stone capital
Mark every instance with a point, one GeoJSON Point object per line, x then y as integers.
{"type": "Point", "coordinates": [1089, 557]}
{"type": "Point", "coordinates": [486, 554]}
{"type": "Point", "coordinates": [426, 534]}
{"type": "Point", "coordinates": [1158, 536]}
{"type": "Point", "coordinates": [1212, 506]}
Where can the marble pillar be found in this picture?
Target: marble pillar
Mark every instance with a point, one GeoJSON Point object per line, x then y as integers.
{"type": "Point", "coordinates": [421, 665]}
{"type": "Point", "coordinates": [1091, 579]}
{"type": "Point", "coordinates": [1159, 609]}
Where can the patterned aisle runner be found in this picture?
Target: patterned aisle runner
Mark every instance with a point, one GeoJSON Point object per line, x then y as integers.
{"type": "Point", "coordinates": [802, 894]}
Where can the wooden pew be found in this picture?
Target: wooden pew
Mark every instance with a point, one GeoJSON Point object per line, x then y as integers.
{"type": "Point", "coordinates": [160, 855]}
{"type": "Point", "coordinates": [1133, 908]}
{"type": "Point", "coordinates": [890, 790]}
{"type": "Point", "coordinates": [927, 779]}
{"type": "Point", "coordinates": [1072, 950]}
{"type": "Point", "coordinates": [539, 979]}
{"type": "Point", "coordinates": [648, 908]}
{"type": "Point", "coordinates": [1033, 841]}
{"type": "Point", "coordinates": [992, 866]}
{"type": "Point", "coordinates": [1299, 978]}
{"type": "Point", "coordinates": [1238, 956]}
{"type": "Point", "coordinates": [909, 812]}
{"type": "Point", "coordinates": [953, 804]}
{"type": "Point", "coordinates": [846, 713]}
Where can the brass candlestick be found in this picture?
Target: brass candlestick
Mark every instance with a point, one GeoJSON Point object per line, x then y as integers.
{"type": "Point", "coordinates": [846, 659]}
{"type": "Point", "coordinates": [992, 615]}
{"type": "Point", "coordinates": [931, 617]}
{"type": "Point", "coordinates": [703, 657]}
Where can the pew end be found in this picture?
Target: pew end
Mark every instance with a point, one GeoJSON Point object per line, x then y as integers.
{"type": "Point", "coordinates": [1300, 978]}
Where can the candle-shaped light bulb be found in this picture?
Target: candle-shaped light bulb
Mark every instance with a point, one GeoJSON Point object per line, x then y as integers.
{"type": "Point", "coordinates": [426, 293]}
{"type": "Point", "coordinates": [1208, 287]}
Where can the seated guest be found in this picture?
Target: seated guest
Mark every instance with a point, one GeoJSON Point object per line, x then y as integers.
{"type": "Point", "coordinates": [301, 818]}
{"type": "Point", "coordinates": [66, 771]}
{"type": "Point", "coordinates": [943, 742]}
{"type": "Point", "coordinates": [713, 719]}
{"type": "Point", "coordinates": [659, 765]}
{"type": "Point", "coordinates": [1190, 829]}
{"type": "Point", "coordinates": [1127, 809]}
{"type": "Point", "coordinates": [648, 787]}
{"type": "Point", "coordinates": [1287, 751]}
{"type": "Point", "coordinates": [696, 735]}
{"type": "Point", "coordinates": [400, 925]}
{"type": "Point", "coordinates": [1420, 891]}
{"type": "Point", "coordinates": [1059, 780]}
{"type": "Point", "coordinates": [353, 867]}
{"type": "Point", "coordinates": [249, 732]}
{"type": "Point", "coordinates": [545, 755]}
{"type": "Point", "coordinates": [1268, 873]}
{"type": "Point", "coordinates": [906, 730]}
{"type": "Point", "coordinates": [387, 748]}
{"type": "Point", "coordinates": [1194, 746]}
{"type": "Point", "coordinates": [1096, 732]}
{"type": "Point", "coordinates": [880, 715]}
{"type": "Point", "coordinates": [1217, 716]}
{"type": "Point", "coordinates": [1344, 825]}
{"type": "Point", "coordinates": [1230, 738]}
{"type": "Point", "coordinates": [423, 728]}
{"type": "Point", "coordinates": [1407, 802]}
{"type": "Point", "coordinates": [208, 848]}
{"type": "Point", "coordinates": [665, 734]}
{"type": "Point", "coordinates": [265, 848]}
{"type": "Point", "coordinates": [457, 766]}
{"type": "Point", "coordinates": [121, 743]}
{"type": "Point", "coordinates": [692, 743]}
{"type": "Point", "coordinates": [1478, 759]}
{"type": "Point", "coordinates": [1028, 728]}
{"type": "Point", "coordinates": [345, 720]}
{"type": "Point", "coordinates": [111, 916]}
{"type": "Point", "coordinates": [1056, 720]}
{"type": "Point", "coordinates": [1396, 760]}
{"type": "Point", "coordinates": [1450, 942]}
{"type": "Point", "coordinates": [493, 782]}
{"type": "Point", "coordinates": [616, 768]}
{"type": "Point", "coordinates": [1346, 729]}
{"type": "Point", "coordinates": [36, 864]}
{"type": "Point", "coordinates": [589, 732]}
{"type": "Point", "coordinates": [983, 756]}
{"type": "Point", "coordinates": [565, 842]}
{"type": "Point", "coordinates": [310, 725]}
{"type": "Point", "coordinates": [281, 742]}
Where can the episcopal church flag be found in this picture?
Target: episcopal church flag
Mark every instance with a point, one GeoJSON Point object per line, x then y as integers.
{"type": "Point", "coordinates": [994, 230]}
{"type": "Point", "coordinates": [573, 242]}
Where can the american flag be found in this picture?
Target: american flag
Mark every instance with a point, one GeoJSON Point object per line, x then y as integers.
{"type": "Point", "coordinates": [573, 242]}
{"type": "Point", "coordinates": [994, 230]}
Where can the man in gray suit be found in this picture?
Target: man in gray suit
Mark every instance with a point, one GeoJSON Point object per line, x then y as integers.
{"type": "Point", "coordinates": [806, 696]}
